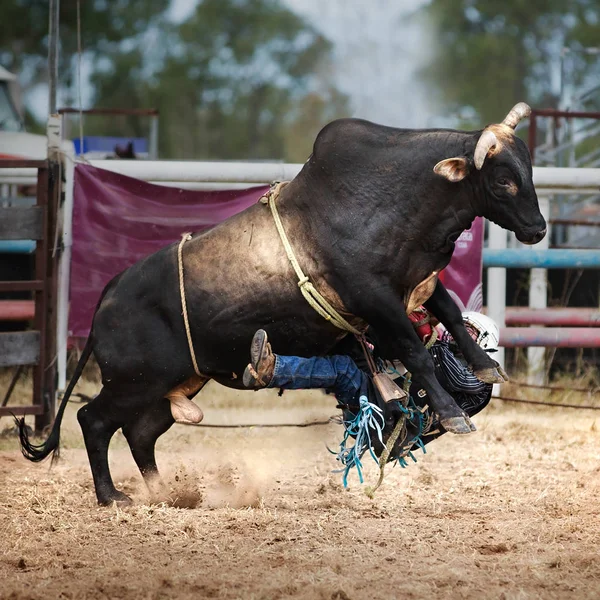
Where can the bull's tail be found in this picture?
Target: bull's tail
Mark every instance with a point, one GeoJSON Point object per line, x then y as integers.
{"type": "Point", "coordinates": [37, 453]}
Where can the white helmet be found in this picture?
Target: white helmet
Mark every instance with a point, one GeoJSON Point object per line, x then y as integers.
{"type": "Point", "coordinates": [488, 334]}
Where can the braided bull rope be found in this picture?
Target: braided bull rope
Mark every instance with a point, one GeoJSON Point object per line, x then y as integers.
{"type": "Point", "coordinates": [400, 428]}
{"type": "Point", "coordinates": [310, 293]}
{"type": "Point", "coordinates": [185, 237]}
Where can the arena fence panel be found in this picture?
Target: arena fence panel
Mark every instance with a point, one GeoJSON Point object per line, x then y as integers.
{"type": "Point", "coordinates": [35, 345]}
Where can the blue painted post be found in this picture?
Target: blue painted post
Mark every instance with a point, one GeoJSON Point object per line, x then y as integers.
{"type": "Point", "coordinates": [516, 258]}
{"type": "Point", "coordinates": [17, 246]}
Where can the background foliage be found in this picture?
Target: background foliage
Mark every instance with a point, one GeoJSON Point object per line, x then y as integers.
{"type": "Point", "coordinates": [492, 54]}
{"type": "Point", "coordinates": [251, 79]}
{"type": "Point", "coordinates": [237, 79]}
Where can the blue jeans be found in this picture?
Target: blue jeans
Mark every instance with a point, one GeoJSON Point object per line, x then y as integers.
{"type": "Point", "coordinates": [336, 373]}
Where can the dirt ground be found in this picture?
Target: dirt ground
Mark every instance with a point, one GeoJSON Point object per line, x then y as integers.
{"type": "Point", "coordinates": [509, 512]}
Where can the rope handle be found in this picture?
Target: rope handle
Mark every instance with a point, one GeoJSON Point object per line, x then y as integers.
{"type": "Point", "coordinates": [368, 357]}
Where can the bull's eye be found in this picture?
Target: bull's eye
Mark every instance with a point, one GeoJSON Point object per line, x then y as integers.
{"type": "Point", "coordinates": [508, 185]}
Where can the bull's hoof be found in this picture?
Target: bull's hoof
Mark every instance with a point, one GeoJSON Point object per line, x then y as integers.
{"type": "Point", "coordinates": [459, 425]}
{"type": "Point", "coordinates": [492, 375]}
{"type": "Point", "coordinates": [117, 497]}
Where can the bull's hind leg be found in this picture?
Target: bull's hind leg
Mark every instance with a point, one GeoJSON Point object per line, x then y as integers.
{"type": "Point", "coordinates": [99, 421]}
{"type": "Point", "coordinates": [143, 421]}
{"type": "Point", "coordinates": [144, 429]}
{"type": "Point", "coordinates": [141, 434]}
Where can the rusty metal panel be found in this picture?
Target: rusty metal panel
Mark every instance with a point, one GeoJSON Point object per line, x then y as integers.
{"type": "Point", "coordinates": [17, 310]}
{"type": "Point", "coordinates": [21, 286]}
{"type": "Point", "coordinates": [41, 295]}
{"type": "Point", "coordinates": [7, 411]}
{"type": "Point", "coordinates": [22, 163]}
{"type": "Point", "coordinates": [21, 223]}
{"type": "Point", "coordinates": [37, 347]}
{"type": "Point", "coordinates": [19, 348]}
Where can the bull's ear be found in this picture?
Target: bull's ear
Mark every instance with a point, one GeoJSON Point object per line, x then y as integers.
{"type": "Point", "coordinates": [453, 169]}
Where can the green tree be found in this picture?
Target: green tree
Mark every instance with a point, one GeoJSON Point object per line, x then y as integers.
{"type": "Point", "coordinates": [231, 82]}
{"type": "Point", "coordinates": [105, 25]}
{"type": "Point", "coordinates": [238, 79]}
{"type": "Point", "coordinates": [492, 54]}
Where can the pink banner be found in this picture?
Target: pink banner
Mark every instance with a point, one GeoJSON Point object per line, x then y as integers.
{"type": "Point", "coordinates": [117, 220]}
{"type": "Point", "coordinates": [462, 276]}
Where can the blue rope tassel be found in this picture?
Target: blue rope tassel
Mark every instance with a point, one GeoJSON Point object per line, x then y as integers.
{"type": "Point", "coordinates": [370, 417]}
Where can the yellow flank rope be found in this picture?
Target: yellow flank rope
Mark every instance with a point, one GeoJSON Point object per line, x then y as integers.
{"type": "Point", "coordinates": [400, 428]}
{"type": "Point", "coordinates": [310, 293]}
{"type": "Point", "coordinates": [184, 238]}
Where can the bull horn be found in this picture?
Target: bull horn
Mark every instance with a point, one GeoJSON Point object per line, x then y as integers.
{"type": "Point", "coordinates": [518, 112]}
{"type": "Point", "coordinates": [486, 142]}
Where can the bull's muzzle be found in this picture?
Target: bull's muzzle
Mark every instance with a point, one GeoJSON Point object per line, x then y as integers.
{"type": "Point", "coordinates": [536, 237]}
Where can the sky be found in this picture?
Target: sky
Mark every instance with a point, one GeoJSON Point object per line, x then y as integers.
{"type": "Point", "coordinates": [378, 50]}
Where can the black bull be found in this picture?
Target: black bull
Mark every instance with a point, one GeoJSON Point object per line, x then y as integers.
{"type": "Point", "coordinates": [374, 212]}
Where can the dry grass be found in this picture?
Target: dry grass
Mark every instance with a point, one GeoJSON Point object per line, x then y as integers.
{"type": "Point", "coordinates": [510, 512]}
{"type": "Point", "coordinates": [569, 391]}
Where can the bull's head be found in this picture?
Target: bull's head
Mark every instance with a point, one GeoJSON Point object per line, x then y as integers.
{"type": "Point", "coordinates": [500, 169]}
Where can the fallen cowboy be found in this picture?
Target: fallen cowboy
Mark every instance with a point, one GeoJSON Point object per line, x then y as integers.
{"type": "Point", "coordinates": [369, 221]}
{"type": "Point", "coordinates": [351, 379]}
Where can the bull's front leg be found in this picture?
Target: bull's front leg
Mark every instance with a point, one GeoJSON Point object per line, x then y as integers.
{"type": "Point", "coordinates": [445, 309]}
{"type": "Point", "coordinates": [398, 340]}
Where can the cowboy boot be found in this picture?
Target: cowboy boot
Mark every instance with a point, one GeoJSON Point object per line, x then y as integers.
{"type": "Point", "coordinates": [259, 372]}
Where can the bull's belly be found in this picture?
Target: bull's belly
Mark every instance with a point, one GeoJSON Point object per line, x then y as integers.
{"type": "Point", "coordinates": [223, 346]}
{"type": "Point", "coordinates": [149, 345]}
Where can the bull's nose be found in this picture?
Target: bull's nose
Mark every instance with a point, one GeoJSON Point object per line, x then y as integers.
{"type": "Point", "coordinates": [532, 239]}
{"type": "Point", "coordinates": [540, 235]}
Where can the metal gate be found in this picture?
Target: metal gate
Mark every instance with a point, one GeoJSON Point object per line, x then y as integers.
{"type": "Point", "coordinates": [35, 345]}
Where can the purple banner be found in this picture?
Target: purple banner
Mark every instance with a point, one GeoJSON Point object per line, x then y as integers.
{"type": "Point", "coordinates": [462, 276]}
{"type": "Point", "coordinates": [117, 220]}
